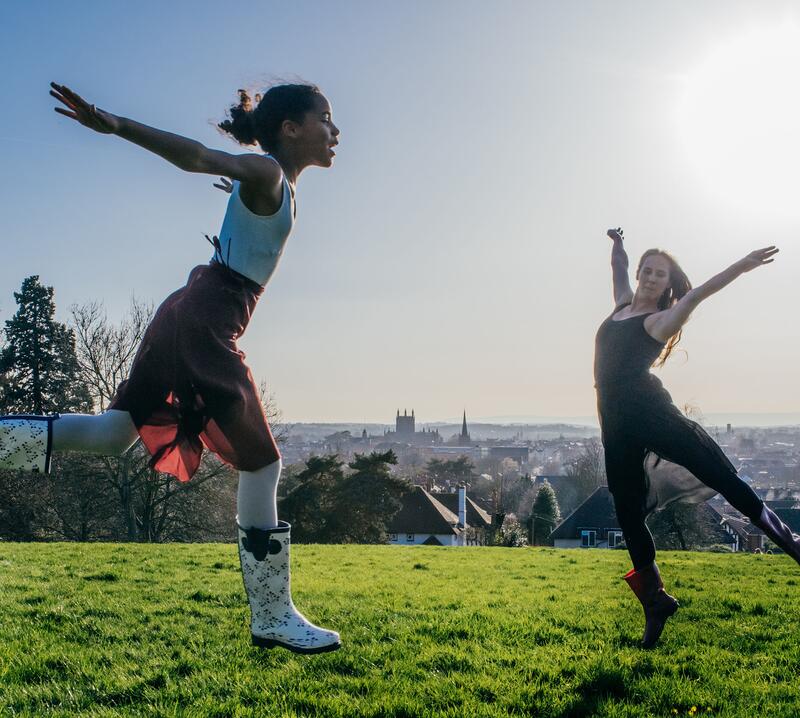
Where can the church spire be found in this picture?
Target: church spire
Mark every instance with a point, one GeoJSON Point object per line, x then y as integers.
{"type": "Point", "coordinates": [464, 438]}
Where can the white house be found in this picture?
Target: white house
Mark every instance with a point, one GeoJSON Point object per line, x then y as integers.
{"type": "Point", "coordinates": [426, 519]}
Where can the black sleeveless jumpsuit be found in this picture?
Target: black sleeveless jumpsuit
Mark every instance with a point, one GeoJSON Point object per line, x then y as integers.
{"type": "Point", "coordinates": [637, 416]}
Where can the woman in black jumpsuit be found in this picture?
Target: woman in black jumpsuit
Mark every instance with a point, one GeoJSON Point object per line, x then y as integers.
{"type": "Point", "coordinates": [637, 415]}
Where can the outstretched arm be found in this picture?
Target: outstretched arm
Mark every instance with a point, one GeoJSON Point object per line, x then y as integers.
{"type": "Point", "coordinates": [623, 293]}
{"type": "Point", "coordinates": [669, 322]}
{"type": "Point", "coordinates": [184, 153]}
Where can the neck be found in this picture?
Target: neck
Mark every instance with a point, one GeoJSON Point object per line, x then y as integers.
{"type": "Point", "coordinates": [290, 164]}
{"type": "Point", "coordinates": [640, 304]}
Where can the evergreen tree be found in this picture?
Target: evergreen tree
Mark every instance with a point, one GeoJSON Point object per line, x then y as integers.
{"type": "Point", "coordinates": [327, 506]}
{"type": "Point", "coordinates": [39, 370]}
{"type": "Point", "coordinates": [310, 506]}
{"type": "Point", "coordinates": [545, 514]}
{"type": "Point", "coordinates": [368, 498]}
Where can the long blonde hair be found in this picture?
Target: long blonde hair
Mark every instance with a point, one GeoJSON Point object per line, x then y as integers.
{"type": "Point", "coordinates": [679, 285]}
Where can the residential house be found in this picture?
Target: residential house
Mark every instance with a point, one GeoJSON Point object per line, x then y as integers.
{"type": "Point", "coordinates": [427, 518]}
{"type": "Point", "coordinates": [592, 525]}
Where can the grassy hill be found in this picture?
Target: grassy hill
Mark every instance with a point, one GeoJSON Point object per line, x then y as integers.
{"type": "Point", "coordinates": [160, 630]}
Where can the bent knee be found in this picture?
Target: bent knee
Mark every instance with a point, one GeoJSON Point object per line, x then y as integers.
{"type": "Point", "coordinates": [116, 433]}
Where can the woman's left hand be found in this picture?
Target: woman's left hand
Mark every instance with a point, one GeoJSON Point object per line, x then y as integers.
{"type": "Point", "coordinates": [78, 109]}
{"type": "Point", "coordinates": [758, 258]}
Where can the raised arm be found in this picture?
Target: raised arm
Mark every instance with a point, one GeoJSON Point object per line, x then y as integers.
{"type": "Point", "coordinates": [623, 293]}
{"type": "Point", "coordinates": [186, 154]}
{"type": "Point", "coordinates": [664, 325]}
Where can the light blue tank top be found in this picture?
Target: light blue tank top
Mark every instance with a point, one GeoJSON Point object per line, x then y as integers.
{"type": "Point", "coordinates": [252, 244]}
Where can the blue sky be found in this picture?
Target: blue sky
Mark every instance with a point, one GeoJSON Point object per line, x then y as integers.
{"type": "Point", "coordinates": [455, 255]}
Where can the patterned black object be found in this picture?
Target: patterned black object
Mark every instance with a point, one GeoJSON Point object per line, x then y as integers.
{"type": "Point", "coordinates": [26, 442]}
{"type": "Point", "coordinates": [260, 543]}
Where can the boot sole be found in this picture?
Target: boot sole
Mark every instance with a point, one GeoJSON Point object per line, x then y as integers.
{"type": "Point", "coordinates": [272, 643]}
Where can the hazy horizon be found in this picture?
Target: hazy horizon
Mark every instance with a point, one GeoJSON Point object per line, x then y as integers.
{"type": "Point", "coordinates": [455, 255]}
{"type": "Point", "coordinates": [751, 420]}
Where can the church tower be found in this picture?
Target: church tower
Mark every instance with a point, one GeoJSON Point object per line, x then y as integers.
{"type": "Point", "coordinates": [405, 424]}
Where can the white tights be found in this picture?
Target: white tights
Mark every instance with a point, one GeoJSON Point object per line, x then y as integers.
{"type": "Point", "coordinates": [113, 432]}
{"type": "Point", "coordinates": [256, 502]}
{"type": "Point", "coordinates": [110, 433]}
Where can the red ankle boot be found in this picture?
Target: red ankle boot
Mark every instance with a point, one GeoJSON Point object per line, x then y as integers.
{"type": "Point", "coordinates": [658, 605]}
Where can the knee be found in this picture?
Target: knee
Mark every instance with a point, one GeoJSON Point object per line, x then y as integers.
{"type": "Point", "coordinates": [116, 432]}
{"type": "Point", "coordinates": [630, 511]}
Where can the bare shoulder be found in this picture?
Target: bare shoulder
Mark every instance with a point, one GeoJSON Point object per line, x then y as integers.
{"type": "Point", "coordinates": [262, 192]}
{"type": "Point", "coordinates": [247, 167]}
{"type": "Point", "coordinates": [260, 169]}
{"type": "Point", "coordinates": [665, 324]}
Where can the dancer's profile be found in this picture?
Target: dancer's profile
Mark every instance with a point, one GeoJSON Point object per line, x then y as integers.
{"type": "Point", "coordinates": [637, 416]}
{"type": "Point", "coordinates": [189, 386]}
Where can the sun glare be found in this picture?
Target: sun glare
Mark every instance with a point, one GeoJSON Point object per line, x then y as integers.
{"type": "Point", "coordinates": [739, 120]}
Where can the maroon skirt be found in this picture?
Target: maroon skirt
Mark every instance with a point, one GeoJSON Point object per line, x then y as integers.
{"type": "Point", "coordinates": [189, 385]}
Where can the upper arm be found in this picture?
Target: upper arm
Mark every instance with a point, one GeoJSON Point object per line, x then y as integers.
{"type": "Point", "coordinates": [623, 294]}
{"type": "Point", "coordinates": [250, 168]}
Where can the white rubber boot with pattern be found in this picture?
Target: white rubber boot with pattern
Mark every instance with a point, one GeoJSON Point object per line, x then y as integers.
{"type": "Point", "coordinates": [26, 442]}
{"type": "Point", "coordinates": [274, 620]}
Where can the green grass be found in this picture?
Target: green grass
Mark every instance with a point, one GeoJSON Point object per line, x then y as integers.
{"type": "Point", "coordinates": [161, 630]}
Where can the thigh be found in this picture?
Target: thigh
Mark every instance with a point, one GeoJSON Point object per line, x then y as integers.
{"type": "Point", "coordinates": [684, 442]}
{"type": "Point", "coordinates": [624, 460]}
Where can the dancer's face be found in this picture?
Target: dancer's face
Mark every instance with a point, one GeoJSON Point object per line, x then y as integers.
{"type": "Point", "coordinates": [317, 135]}
{"type": "Point", "coordinates": [654, 277]}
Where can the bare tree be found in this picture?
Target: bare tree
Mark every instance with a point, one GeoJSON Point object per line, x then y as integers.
{"type": "Point", "coordinates": [280, 429]}
{"type": "Point", "coordinates": [106, 351]}
{"type": "Point", "coordinates": [80, 507]}
{"type": "Point", "coordinates": [587, 472]}
{"type": "Point", "coordinates": [589, 468]}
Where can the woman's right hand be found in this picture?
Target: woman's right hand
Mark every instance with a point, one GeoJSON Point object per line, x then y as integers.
{"type": "Point", "coordinates": [758, 258]}
{"type": "Point", "coordinates": [224, 184]}
{"type": "Point", "coordinates": [615, 234]}
{"type": "Point", "coordinates": [81, 111]}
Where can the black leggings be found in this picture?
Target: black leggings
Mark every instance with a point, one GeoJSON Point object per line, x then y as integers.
{"type": "Point", "coordinates": [675, 438]}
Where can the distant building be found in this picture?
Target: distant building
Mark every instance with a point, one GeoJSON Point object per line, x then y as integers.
{"type": "Point", "coordinates": [520, 454]}
{"type": "Point", "coordinates": [425, 519]}
{"type": "Point", "coordinates": [744, 535]}
{"type": "Point", "coordinates": [592, 525]}
{"type": "Point", "coordinates": [476, 518]}
{"type": "Point", "coordinates": [405, 425]}
{"type": "Point", "coordinates": [473, 452]}
{"type": "Point", "coordinates": [464, 438]}
{"type": "Point", "coordinates": [406, 432]}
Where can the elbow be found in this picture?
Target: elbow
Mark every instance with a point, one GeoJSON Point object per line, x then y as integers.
{"type": "Point", "coordinates": [195, 160]}
{"type": "Point", "coordinates": [694, 296]}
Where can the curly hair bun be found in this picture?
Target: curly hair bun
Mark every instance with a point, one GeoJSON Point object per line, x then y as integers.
{"type": "Point", "coordinates": [241, 125]}
{"type": "Point", "coordinates": [260, 119]}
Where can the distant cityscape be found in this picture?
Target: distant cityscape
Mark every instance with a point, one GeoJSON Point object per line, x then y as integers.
{"type": "Point", "coordinates": [505, 464]}
{"type": "Point", "coordinates": [768, 457]}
